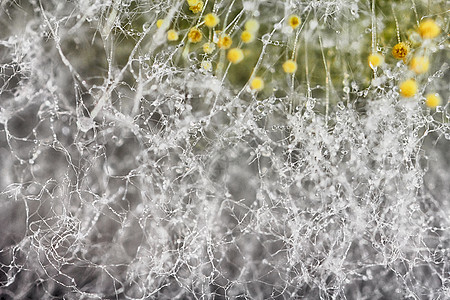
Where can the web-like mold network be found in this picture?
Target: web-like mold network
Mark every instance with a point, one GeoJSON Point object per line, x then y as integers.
{"type": "Point", "coordinates": [224, 149]}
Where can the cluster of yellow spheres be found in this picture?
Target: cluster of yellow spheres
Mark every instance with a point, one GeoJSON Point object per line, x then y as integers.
{"type": "Point", "coordinates": [224, 41]}
{"type": "Point", "coordinates": [251, 29]}
{"type": "Point", "coordinates": [195, 6]}
{"type": "Point", "coordinates": [419, 64]}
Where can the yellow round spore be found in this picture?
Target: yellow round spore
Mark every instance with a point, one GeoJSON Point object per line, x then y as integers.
{"type": "Point", "coordinates": [257, 84]}
{"type": "Point", "coordinates": [290, 66]}
{"type": "Point", "coordinates": [294, 21]}
{"type": "Point", "coordinates": [172, 35]}
{"type": "Point", "coordinates": [252, 25]}
{"type": "Point", "coordinates": [400, 50]}
{"type": "Point", "coordinates": [375, 60]}
{"type": "Point", "coordinates": [206, 65]}
{"type": "Point", "coordinates": [428, 29]}
{"type": "Point", "coordinates": [235, 55]}
{"type": "Point", "coordinates": [159, 23]}
{"type": "Point", "coordinates": [194, 35]}
{"type": "Point", "coordinates": [209, 48]}
{"type": "Point", "coordinates": [225, 41]}
{"type": "Point", "coordinates": [408, 88]}
{"type": "Point", "coordinates": [196, 8]}
{"type": "Point", "coordinates": [247, 36]}
{"type": "Point", "coordinates": [420, 64]}
{"type": "Point", "coordinates": [433, 100]}
{"type": "Point", "coordinates": [211, 20]}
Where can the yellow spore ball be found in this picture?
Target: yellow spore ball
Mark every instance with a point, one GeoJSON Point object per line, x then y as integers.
{"type": "Point", "coordinates": [400, 50]}
{"type": "Point", "coordinates": [235, 55]}
{"type": "Point", "coordinates": [408, 88]}
{"type": "Point", "coordinates": [196, 8]}
{"type": "Point", "coordinates": [428, 29]}
{"type": "Point", "coordinates": [209, 48]}
{"type": "Point", "coordinates": [375, 60]}
{"type": "Point", "coordinates": [193, 2]}
{"type": "Point", "coordinates": [159, 23]}
{"type": "Point", "coordinates": [225, 41]}
{"type": "Point", "coordinates": [290, 66]}
{"type": "Point", "coordinates": [247, 37]}
{"type": "Point", "coordinates": [433, 100]}
{"type": "Point", "coordinates": [211, 20]}
{"type": "Point", "coordinates": [206, 65]}
{"type": "Point", "coordinates": [420, 64]}
{"type": "Point", "coordinates": [172, 35]}
{"type": "Point", "coordinates": [194, 35]}
{"type": "Point", "coordinates": [252, 25]}
{"type": "Point", "coordinates": [257, 84]}
{"type": "Point", "coordinates": [294, 21]}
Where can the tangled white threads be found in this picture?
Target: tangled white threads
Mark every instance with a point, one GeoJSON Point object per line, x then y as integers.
{"type": "Point", "coordinates": [132, 171]}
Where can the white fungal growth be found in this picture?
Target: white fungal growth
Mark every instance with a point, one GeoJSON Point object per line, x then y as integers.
{"type": "Point", "coordinates": [137, 167]}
